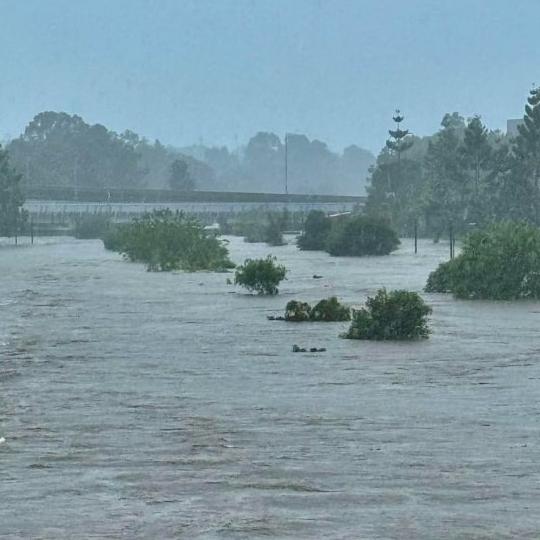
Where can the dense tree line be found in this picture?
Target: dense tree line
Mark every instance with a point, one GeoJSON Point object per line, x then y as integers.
{"type": "Point", "coordinates": [311, 166]}
{"type": "Point", "coordinates": [462, 176]}
{"type": "Point", "coordinates": [59, 149]}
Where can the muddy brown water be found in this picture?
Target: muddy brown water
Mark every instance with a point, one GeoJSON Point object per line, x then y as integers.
{"type": "Point", "coordinates": [166, 405]}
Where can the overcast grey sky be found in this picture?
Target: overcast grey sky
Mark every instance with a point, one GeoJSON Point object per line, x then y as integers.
{"type": "Point", "coordinates": [221, 70]}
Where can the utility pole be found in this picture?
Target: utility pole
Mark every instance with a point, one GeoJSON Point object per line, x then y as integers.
{"type": "Point", "coordinates": [286, 165]}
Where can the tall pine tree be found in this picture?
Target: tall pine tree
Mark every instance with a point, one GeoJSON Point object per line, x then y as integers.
{"type": "Point", "coordinates": [527, 147]}
{"type": "Point", "coordinates": [476, 151]}
{"type": "Point", "coordinates": [400, 139]}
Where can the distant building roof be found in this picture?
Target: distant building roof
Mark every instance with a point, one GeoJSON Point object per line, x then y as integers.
{"type": "Point", "coordinates": [512, 126]}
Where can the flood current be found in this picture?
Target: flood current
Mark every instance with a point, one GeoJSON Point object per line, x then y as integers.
{"type": "Point", "coordinates": [166, 405]}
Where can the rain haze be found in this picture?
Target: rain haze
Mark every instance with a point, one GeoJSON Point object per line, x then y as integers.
{"type": "Point", "coordinates": [270, 269]}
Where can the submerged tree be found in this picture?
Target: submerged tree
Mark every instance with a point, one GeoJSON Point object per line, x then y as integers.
{"type": "Point", "coordinates": [260, 275]}
{"type": "Point", "coordinates": [166, 240]}
{"type": "Point", "coordinates": [499, 262]}
{"type": "Point", "coordinates": [11, 198]}
{"type": "Point", "coordinates": [394, 315]}
{"type": "Point", "coordinates": [315, 231]}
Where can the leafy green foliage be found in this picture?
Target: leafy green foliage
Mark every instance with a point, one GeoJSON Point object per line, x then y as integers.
{"type": "Point", "coordinates": [260, 275]}
{"type": "Point", "coordinates": [361, 235]}
{"type": "Point", "coordinates": [61, 151]}
{"type": "Point", "coordinates": [12, 217]}
{"type": "Point", "coordinates": [115, 237]}
{"type": "Point", "coordinates": [500, 262]}
{"type": "Point", "coordinates": [167, 240]}
{"type": "Point", "coordinates": [297, 311]}
{"type": "Point", "coordinates": [330, 309]}
{"type": "Point", "coordinates": [327, 310]}
{"type": "Point", "coordinates": [463, 174]}
{"type": "Point", "coordinates": [440, 280]}
{"type": "Point", "coordinates": [89, 226]}
{"type": "Point", "coordinates": [315, 233]}
{"type": "Point", "coordinates": [394, 315]}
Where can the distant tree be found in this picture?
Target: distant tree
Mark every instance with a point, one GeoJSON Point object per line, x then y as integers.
{"type": "Point", "coordinates": [400, 140]}
{"type": "Point", "coordinates": [396, 180]}
{"type": "Point", "coordinates": [454, 121]}
{"type": "Point", "coordinates": [11, 199]}
{"type": "Point", "coordinates": [447, 189]}
{"type": "Point", "coordinates": [476, 153]}
{"type": "Point", "coordinates": [264, 161]}
{"type": "Point", "coordinates": [476, 150]}
{"type": "Point", "coordinates": [526, 148]}
{"type": "Point", "coordinates": [354, 169]}
{"type": "Point", "coordinates": [58, 149]}
{"type": "Point", "coordinates": [180, 178]}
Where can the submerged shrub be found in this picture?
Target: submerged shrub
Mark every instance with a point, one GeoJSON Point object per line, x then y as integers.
{"type": "Point", "coordinates": [500, 262]}
{"type": "Point", "coordinates": [315, 233]}
{"type": "Point", "coordinates": [297, 311]}
{"type": "Point", "coordinates": [440, 280]}
{"type": "Point", "coordinates": [327, 310]}
{"type": "Point", "coordinates": [361, 235]}
{"type": "Point", "coordinates": [114, 237]}
{"type": "Point", "coordinates": [257, 226]}
{"type": "Point", "coordinates": [330, 310]}
{"type": "Point", "coordinates": [394, 315]}
{"type": "Point", "coordinates": [167, 240]}
{"type": "Point", "coordinates": [260, 275]}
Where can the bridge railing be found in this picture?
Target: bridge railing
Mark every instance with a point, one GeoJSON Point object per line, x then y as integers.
{"type": "Point", "coordinates": [105, 195]}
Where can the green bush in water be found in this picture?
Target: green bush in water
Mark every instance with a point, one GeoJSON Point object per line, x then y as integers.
{"type": "Point", "coordinates": [113, 238]}
{"type": "Point", "coordinates": [260, 275]}
{"type": "Point", "coordinates": [297, 311]}
{"type": "Point", "coordinates": [440, 280]}
{"type": "Point", "coordinates": [395, 315]}
{"type": "Point", "coordinates": [500, 262]}
{"type": "Point", "coordinates": [361, 235]}
{"type": "Point", "coordinates": [167, 240]}
{"type": "Point", "coordinates": [270, 233]}
{"type": "Point", "coordinates": [315, 233]}
{"type": "Point", "coordinates": [327, 310]}
{"type": "Point", "coordinates": [330, 310]}
{"type": "Point", "coordinates": [260, 227]}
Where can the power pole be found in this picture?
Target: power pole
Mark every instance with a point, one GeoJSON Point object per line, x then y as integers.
{"type": "Point", "coordinates": [286, 165]}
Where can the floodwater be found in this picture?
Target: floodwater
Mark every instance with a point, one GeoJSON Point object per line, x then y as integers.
{"type": "Point", "coordinates": [156, 405]}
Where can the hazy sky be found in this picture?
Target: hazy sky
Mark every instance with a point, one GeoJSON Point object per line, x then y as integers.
{"type": "Point", "coordinates": [218, 71]}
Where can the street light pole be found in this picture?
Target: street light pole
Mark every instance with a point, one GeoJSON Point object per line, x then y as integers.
{"type": "Point", "coordinates": [286, 165]}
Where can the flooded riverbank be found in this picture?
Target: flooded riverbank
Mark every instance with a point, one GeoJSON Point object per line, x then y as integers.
{"type": "Point", "coordinates": [157, 405]}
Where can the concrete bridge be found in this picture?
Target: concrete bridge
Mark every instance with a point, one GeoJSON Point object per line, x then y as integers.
{"type": "Point", "coordinates": [132, 202]}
